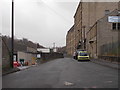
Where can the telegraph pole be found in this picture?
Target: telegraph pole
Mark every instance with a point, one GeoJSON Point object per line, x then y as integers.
{"type": "Point", "coordinates": [12, 35]}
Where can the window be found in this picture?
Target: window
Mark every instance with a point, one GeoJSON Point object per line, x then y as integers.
{"type": "Point", "coordinates": [107, 12]}
{"type": "Point", "coordinates": [83, 54]}
{"type": "Point", "coordinates": [116, 26]}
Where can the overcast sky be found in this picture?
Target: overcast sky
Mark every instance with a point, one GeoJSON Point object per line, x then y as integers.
{"type": "Point", "coordinates": [42, 21]}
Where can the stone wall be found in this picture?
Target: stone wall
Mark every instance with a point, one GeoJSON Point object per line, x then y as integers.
{"type": "Point", "coordinates": [102, 40]}
{"type": "Point", "coordinates": [5, 53]}
{"type": "Point", "coordinates": [50, 56]}
{"type": "Point", "coordinates": [107, 37]}
{"type": "Point", "coordinates": [70, 41]}
{"type": "Point", "coordinates": [92, 41]}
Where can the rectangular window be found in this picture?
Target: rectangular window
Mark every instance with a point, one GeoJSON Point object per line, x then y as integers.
{"type": "Point", "coordinates": [107, 12]}
{"type": "Point", "coordinates": [114, 26]}
{"type": "Point", "coordinates": [118, 26]}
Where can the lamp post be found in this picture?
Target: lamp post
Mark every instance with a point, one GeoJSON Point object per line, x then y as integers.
{"type": "Point", "coordinates": [12, 35]}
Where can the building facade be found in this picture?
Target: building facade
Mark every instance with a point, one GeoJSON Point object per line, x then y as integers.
{"type": "Point", "coordinates": [87, 15]}
{"type": "Point", "coordinates": [77, 27]}
{"type": "Point", "coordinates": [103, 37]}
{"type": "Point", "coordinates": [92, 41]}
{"type": "Point", "coordinates": [70, 41]}
{"type": "Point", "coordinates": [85, 18]}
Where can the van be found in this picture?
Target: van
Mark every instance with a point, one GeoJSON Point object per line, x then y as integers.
{"type": "Point", "coordinates": [83, 56]}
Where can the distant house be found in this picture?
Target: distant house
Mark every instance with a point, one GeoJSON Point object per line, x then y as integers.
{"type": "Point", "coordinates": [47, 50]}
{"type": "Point", "coordinates": [28, 53]}
{"type": "Point", "coordinates": [23, 50]}
{"type": "Point", "coordinates": [29, 58]}
{"type": "Point", "coordinates": [43, 50]}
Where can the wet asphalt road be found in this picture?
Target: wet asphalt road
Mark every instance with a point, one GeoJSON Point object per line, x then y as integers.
{"type": "Point", "coordinates": [54, 74]}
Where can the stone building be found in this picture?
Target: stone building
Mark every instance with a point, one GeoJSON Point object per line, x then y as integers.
{"type": "Point", "coordinates": [61, 49]}
{"type": "Point", "coordinates": [70, 39]}
{"type": "Point", "coordinates": [77, 27]}
{"type": "Point", "coordinates": [87, 14]}
{"type": "Point", "coordinates": [92, 41]}
{"type": "Point", "coordinates": [103, 37]}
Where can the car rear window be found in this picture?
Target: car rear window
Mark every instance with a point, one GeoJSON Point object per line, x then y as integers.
{"type": "Point", "coordinates": [83, 54]}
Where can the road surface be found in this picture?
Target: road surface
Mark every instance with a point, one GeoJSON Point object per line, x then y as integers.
{"type": "Point", "coordinates": [63, 73]}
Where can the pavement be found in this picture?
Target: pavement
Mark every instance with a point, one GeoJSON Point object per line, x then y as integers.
{"type": "Point", "coordinates": [12, 70]}
{"type": "Point", "coordinates": [107, 63]}
{"type": "Point", "coordinates": [8, 71]}
{"type": "Point", "coordinates": [63, 73]}
{"type": "Point", "coordinates": [23, 67]}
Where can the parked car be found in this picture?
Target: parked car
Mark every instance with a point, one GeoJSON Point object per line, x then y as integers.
{"type": "Point", "coordinates": [83, 56]}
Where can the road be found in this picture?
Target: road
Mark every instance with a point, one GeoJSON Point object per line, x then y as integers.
{"type": "Point", "coordinates": [63, 73]}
